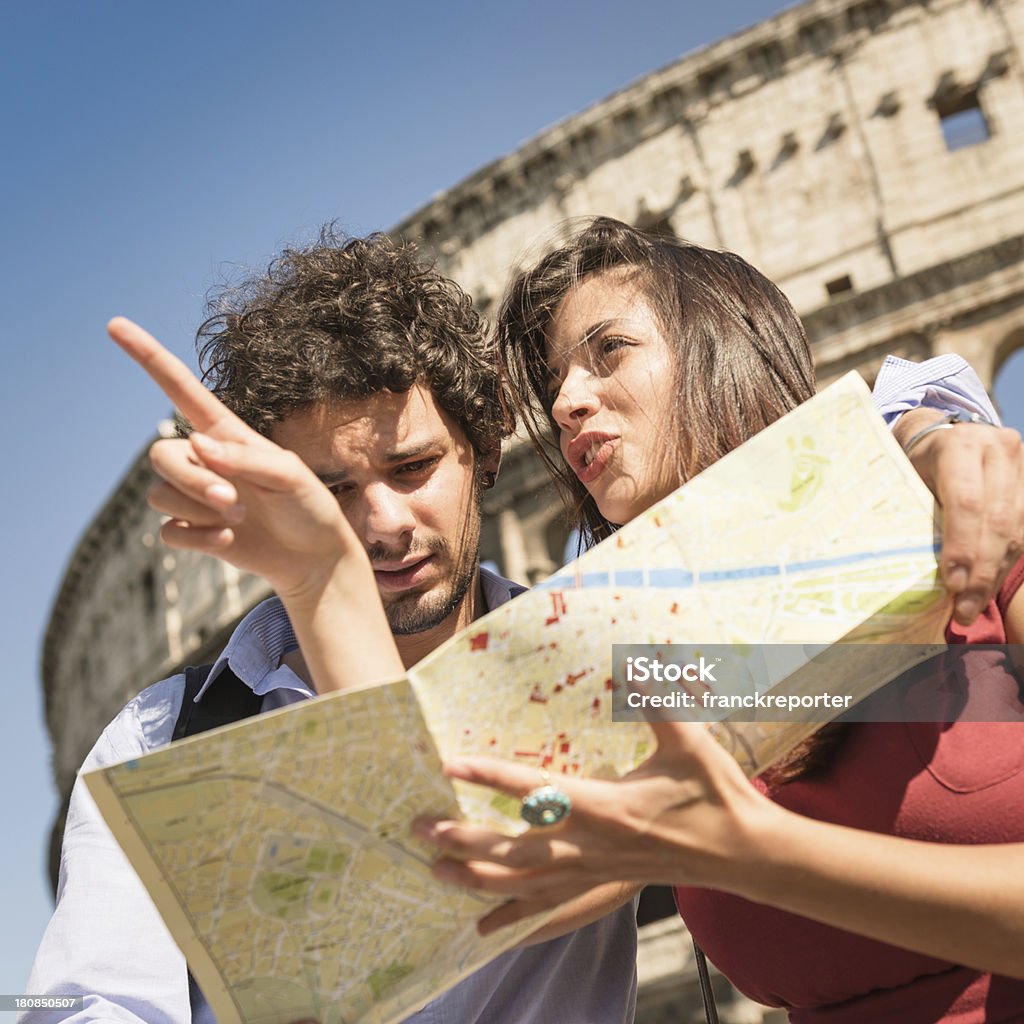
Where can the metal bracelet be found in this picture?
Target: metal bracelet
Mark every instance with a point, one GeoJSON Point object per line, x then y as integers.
{"type": "Point", "coordinates": [946, 423]}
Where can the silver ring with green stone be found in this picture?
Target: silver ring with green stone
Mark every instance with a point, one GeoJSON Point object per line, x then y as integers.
{"type": "Point", "coordinates": [545, 806]}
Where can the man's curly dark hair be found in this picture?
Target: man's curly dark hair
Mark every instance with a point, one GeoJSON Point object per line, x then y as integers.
{"type": "Point", "coordinates": [344, 319]}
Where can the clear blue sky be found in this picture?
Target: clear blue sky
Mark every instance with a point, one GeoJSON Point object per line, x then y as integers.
{"type": "Point", "coordinates": [148, 147]}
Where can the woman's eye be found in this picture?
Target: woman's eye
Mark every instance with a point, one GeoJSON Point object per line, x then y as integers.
{"type": "Point", "coordinates": [612, 343]}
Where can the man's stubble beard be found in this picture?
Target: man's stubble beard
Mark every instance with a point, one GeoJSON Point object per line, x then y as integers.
{"type": "Point", "coordinates": [420, 612]}
{"type": "Point", "coordinates": [417, 613]}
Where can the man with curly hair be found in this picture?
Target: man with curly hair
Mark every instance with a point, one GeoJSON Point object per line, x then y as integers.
{"type": "Point", "coordinates": [375, 371]}
{"type": "Point", "coordinates": [338, 336]}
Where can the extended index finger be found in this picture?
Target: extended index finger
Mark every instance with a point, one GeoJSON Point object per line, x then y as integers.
{"type": "Point", "coordinates": [196, 403]}
{"type": "Point", "coordinates": [509, 777]}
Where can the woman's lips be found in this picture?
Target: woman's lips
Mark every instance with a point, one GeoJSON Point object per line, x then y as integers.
{"type": "Point", "coordinates": [404, 576]}
{"type": "Point", "coordinates": [589, 454]}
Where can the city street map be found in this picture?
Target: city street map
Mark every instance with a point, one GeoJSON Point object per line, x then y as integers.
{"type": "Point", "coordinates": [278, 849]}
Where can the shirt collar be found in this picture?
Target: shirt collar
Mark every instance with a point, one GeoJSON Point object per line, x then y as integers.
{"type": "Point", "coordinates": [265, 635]}
{"type": "Point", "coordinates": [255, 650]}
{"type": "Point", "coordinates": [496, 589]}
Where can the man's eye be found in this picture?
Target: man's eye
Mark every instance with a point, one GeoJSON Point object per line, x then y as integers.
{"type": "Point", "coordinates": [419, 466]}
{"type": "Point", "coordinates": [341, 491]}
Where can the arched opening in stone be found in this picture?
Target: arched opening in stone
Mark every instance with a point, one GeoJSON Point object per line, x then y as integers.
{"type": "Point", "coordinates": [1008, 388]}
{"type": "Point", "coordinates": [962, 119]}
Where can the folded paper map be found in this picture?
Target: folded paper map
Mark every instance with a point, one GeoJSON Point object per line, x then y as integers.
{"type": "Point", "coordinates": [278, 849]}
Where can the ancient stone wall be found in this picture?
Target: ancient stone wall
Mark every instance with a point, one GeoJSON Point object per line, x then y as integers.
{"type": "Point", "coordinates": [812, 144]}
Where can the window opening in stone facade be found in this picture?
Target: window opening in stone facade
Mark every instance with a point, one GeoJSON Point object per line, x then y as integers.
{"type": "Point", "coordinates": [838, 286]}
{"type": "Point", "coordinates": [659, 227]}
{"type": "Point", "coordinates": [962, 120]}
{"type": "Point", "coordinates": [745, 165]}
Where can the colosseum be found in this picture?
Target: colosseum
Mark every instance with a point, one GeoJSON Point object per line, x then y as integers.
{"type": "Point", "coordinates": [860, 152]}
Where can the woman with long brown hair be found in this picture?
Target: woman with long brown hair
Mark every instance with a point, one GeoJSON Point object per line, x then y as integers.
{"type": "Point", "coordinates": [877, 874]}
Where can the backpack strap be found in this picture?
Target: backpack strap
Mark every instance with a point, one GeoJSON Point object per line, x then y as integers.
{"type": "Point", "coordinates": [227, 700]}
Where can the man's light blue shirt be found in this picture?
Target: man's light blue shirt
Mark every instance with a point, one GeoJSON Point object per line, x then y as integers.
{"type": "Point", "coordinates": [947, 383]}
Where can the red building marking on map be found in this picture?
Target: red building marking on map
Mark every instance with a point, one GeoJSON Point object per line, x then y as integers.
{"type": "Point", "coordinates": [478, 642]}
{"type": "Point", "coordinates": [558, 607]}
{"type": "Point", "coordinates": [537, 697]}
{"type": "Point", "coordinates": [572, 678]}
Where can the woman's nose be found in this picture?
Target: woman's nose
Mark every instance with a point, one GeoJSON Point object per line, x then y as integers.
{"type": "Point", "coordinates": [576, 399]}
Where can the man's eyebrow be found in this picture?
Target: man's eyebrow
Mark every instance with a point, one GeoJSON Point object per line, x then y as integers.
{"type": "Point", "coordinates": [333, 479]}
{"type": "Point", "coordinates": [414, 451]}
{"type": "Point", "coordinates": [406, 453]}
